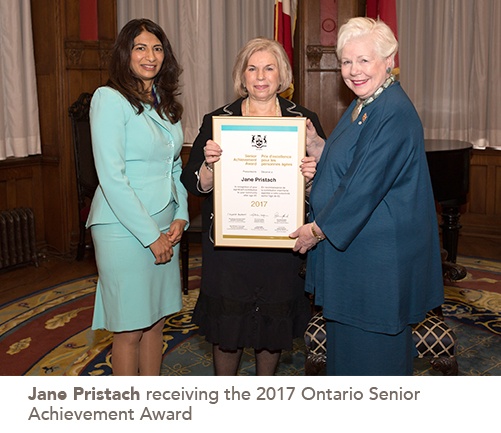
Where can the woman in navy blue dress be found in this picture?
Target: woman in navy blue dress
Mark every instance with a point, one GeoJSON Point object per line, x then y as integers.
{"type": "Point", "coordinates": [374, 263]}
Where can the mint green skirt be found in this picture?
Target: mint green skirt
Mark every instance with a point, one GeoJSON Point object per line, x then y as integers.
{"type": "Point", "coordinates": [132, 292]}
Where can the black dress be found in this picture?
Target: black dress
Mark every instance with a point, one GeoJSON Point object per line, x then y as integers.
{"type": "Point", "coordinates": [249, 297]}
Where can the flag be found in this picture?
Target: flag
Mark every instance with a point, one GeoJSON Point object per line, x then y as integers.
{"type": "Point", "coordinates": [385, 10]}
{"type": "Point", "coordinates": [284, 25]}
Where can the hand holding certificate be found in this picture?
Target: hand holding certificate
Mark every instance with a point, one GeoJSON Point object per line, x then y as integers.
{"type": "Point", "coordinates": [258, 187]}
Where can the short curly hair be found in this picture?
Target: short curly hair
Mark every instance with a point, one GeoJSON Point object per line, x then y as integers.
{"type": "Point", "coordinates": [383, 37]}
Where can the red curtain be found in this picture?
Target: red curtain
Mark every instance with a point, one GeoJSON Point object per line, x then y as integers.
{"type": "Point", "coordinates": [385, 10]}
{"type": "Point", "coordinates": [88, 20]}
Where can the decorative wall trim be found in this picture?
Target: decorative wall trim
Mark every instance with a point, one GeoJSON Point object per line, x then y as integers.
{"type": "Point", "coordinates": [104, 57]}
{"type": "Point", "coordinates": [87, 54]}
{"type": "Point", "coordinates": [322, 58]}
{"type": "Point", "coordinates": [73, 57]}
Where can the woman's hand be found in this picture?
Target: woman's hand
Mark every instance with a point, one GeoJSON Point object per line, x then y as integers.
{"type": "Point", "coordinates": [308, 167]}
{"type": "Point", "coordinates": [212, 152]}
{"type": "Point", "coordinates": [314, 143]}
{"type": "Point", "coordinates": [176, 231]}
{"type": "Point", "coordinates": [306, 240]}
{"type": "Point", "coordinates": [162, 249]}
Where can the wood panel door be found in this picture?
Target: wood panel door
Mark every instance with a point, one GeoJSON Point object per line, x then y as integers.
{"type": "Point", "coordinates": [318, 81]}
{"type": "Point", "coordinates": [483, 210]}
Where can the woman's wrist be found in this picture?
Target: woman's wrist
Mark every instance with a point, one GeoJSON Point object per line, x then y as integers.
{"type": "Point", "coordinates": [205, 177]}
{"type": "Point", "coordinates": [316, 232]}
{"type": "Point", "coordinates": [209, 167]}
{"type": "Point", "coordinates": [315, 142]}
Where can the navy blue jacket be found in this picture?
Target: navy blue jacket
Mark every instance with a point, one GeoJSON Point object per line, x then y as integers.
{"type": "Point", "coordinates": [380, 267]}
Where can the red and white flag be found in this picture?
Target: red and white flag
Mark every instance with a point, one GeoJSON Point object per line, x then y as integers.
{"type": "Point", "coordinates": [285, 23]}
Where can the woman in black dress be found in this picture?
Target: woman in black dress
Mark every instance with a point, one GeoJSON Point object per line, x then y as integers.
{"type": "Point", "coordinates": [249, 297]}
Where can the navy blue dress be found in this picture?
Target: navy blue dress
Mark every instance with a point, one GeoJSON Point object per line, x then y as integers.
{"type": "Point", "coordinates": [379, 270]}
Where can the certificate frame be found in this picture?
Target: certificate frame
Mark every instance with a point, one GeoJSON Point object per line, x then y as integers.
{"type": "Point", "coordinates": [259, 191]}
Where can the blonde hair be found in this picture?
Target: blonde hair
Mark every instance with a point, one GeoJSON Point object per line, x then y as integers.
{"type": "Point", "coordinates": [253, 46]}
{"type": "Point", "coordinates": [384, 40]}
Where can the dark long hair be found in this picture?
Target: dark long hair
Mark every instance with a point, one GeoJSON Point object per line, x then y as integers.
{"type": "Point", "coordinates": [166, 82]}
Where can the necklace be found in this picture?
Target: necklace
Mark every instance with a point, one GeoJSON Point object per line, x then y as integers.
{"type": "Point", "coordinates": [278, 112]}
{"type": "Point", "coordinates": [361, 103]}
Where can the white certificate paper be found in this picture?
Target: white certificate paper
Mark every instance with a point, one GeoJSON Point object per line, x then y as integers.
{"type": "Point", "coordinates": [258, 186]}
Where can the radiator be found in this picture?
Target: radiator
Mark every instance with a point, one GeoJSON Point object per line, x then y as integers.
{"type": "Point", "coordinates": [17, 238]}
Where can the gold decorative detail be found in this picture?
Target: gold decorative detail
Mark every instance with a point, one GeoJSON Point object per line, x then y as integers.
{"type": "Point", "coordinates": [20, 345]}
{"type": "Point", "coordinates": [59, 320]}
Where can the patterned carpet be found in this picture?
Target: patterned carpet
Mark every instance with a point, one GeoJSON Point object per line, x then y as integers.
{"type": "Point", "coordinates": [48, 333]}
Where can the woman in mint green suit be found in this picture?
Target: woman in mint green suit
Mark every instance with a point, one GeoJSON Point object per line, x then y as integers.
{"type": "Point", "coordinates": [140, 208]}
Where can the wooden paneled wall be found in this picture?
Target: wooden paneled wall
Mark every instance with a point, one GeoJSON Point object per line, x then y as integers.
{"type": "Point", "coordinates": [20, 186]}
{"type": "Point", "coordinates": [318, 80]}
{"type": "Point", "coordinates": [482, 215]}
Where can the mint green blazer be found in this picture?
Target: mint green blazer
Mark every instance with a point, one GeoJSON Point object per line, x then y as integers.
{"type": "Point", "coordinates": [138, 163]}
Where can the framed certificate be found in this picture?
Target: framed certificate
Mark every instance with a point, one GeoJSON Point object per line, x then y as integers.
{"type": "Point", "coordinates": [258, 186]}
